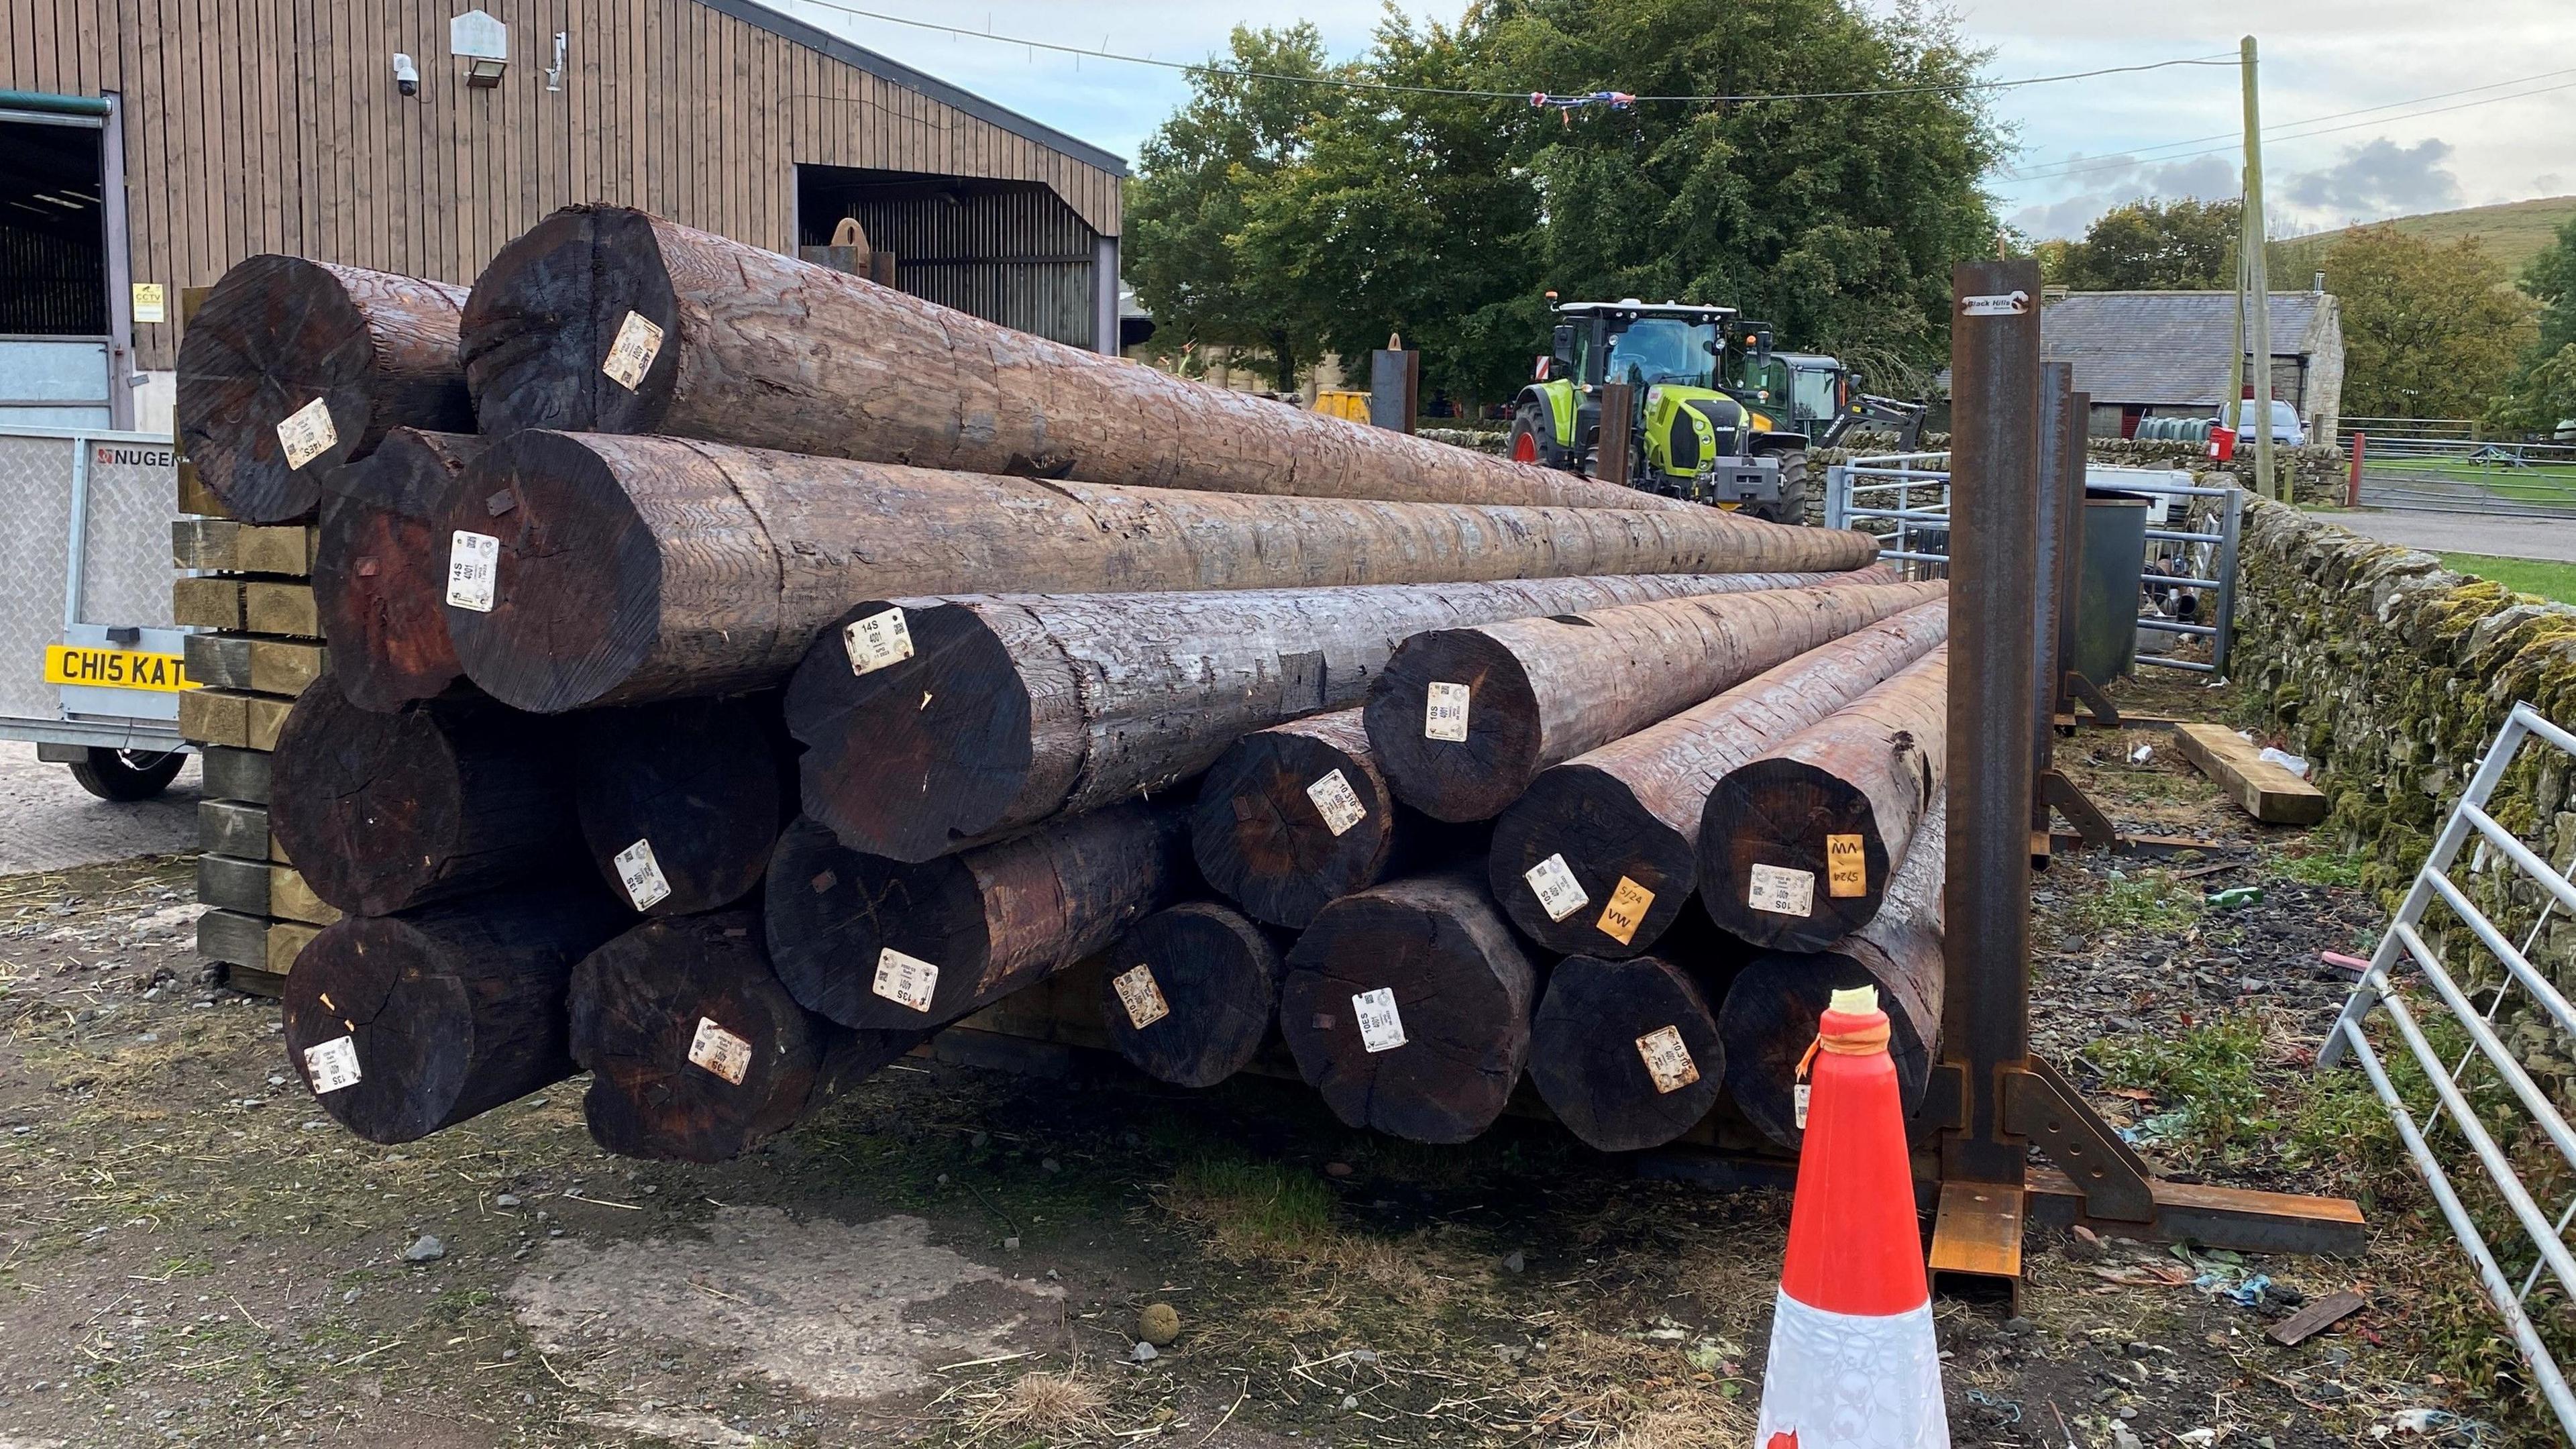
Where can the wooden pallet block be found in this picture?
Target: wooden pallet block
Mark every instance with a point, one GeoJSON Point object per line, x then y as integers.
{"type": "Point", "coordinates": [232, 773]}
{"type": "Point", "coordinates": [275, 608]}
{"type": "Point", "coordinates": [223, 546]}
{"type": "Point", "coordinates": [2260, 788]}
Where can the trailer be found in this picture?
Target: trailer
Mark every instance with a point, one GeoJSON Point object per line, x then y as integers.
{"type": "Point", "coordinates": [90, 657]}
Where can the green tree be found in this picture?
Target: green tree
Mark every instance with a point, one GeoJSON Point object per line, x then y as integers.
{"type": "Point", "coordinates": [2428, 331]}
{"type": "Point", "coordinates": [2152, 245]}
{"type": "Point", "coordinates": [2542, 393]}
{"type": "Point", "coordinates": [1190, 200]}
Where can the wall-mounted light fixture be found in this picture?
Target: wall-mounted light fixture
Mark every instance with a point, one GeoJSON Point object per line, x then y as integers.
{"type": "Point", "coordinates": [479, 39]}
{"type": "Point", "coordinates": [406, 74]}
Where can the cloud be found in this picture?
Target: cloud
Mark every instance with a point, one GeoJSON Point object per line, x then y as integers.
{"type": "Point", "coordinates": [2118, 180]}
{"type": "Point", "coordinates": [2378, 179]}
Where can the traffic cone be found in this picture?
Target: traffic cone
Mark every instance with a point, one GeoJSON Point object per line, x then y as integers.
{"type": "Point", "coordinates": [1853, 1361]}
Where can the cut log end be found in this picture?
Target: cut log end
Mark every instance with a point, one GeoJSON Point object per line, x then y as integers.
{"type": "Point", "coordinates": [1791, 856]}
{"type": "Point", "coordinates": [378, 587]}
{"type": "Point", "coordinates": [682, 802]}
{"type": "Point", "coordinates": [946, 756]}
{"type": "Point", "coordinates": [1262, 836]}
{"type": "Point", "coordinates": [545, 313]}
{"type": "Point", "coordinates": [576, 602]}
{"type": "Point", "coordinates": [1632, 873]}
{"type": "Point", "coordinates": [1189, 993]}
{"type": "Point", "coordinates": [1626, 1053]}
{"type": "Point", "coordinates": [833, 914]}
{"type": "Point", "coordinates": [1453, 779]}
{"type": "Point", "coordinates": [1447, 991]}
{"type": "Point", "coordinates": [667, 1016]}
{"type": "Point", "coordinates": [276, 335]}
{"type": "Point", "coordinates": [1770, 1014]}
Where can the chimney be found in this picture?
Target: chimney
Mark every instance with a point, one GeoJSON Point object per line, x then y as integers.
{"type": "Point", "coordinates": [2318, 286]}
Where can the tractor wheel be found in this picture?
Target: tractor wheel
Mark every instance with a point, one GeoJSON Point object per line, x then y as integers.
{"type": "Point", "coordinates": [1791, 506]}
{"type": "Point", "coordinates": [1532, 438]}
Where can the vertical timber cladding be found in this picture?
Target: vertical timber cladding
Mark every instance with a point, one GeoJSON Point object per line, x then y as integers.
{"type": "Point", "coordinates": [276, 126]}
{"type": "Point", "coordinates": [1007, 251]}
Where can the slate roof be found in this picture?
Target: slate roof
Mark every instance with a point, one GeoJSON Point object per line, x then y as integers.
{"type": "Point", "coordinates": [2168, 348]}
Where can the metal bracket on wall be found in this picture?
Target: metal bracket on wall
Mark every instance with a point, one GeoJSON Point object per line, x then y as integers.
{"type": "Point", "coordinates": [2041, 1105]}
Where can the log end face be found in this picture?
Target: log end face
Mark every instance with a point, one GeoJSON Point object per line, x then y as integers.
{"type": "Point", "coordinates": [1204, 1003]}
{"type": "Point", "coordinates": [370, 993]}
{"type": "Point", "coordinates": [1769, 1018]}
{"type": "Point", "coordinates": [365, 803]}
{"type": "Point", "coordinates": [545, 314]}
{"type": "Point", "coordinates": [1632, 873]}
{"type": "Point", "coordinates": [1776, 844]}
{"type": "Point", "coordinates": [275, 336]}
{"type": "Point", "coordinates": [1263, 838]}
{"type": "Point", "coordinates": [577, 575]}
{"type": "Point", "coordinates": [1626, 1053]}
{"type": "Point", "coordinates": [834, 913]}
{"type": "Point", "coordinates": [680, 802]}
{"type": "Point", "coordinates": [376, 587]}
{"type": "Point", "coordinates": [1454, 724]}
{"type": "Point", "coordinates": [913, 759]}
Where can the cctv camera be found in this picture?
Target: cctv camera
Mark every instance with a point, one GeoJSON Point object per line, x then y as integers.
{"type": "Point", "coordinates": [406, 75]}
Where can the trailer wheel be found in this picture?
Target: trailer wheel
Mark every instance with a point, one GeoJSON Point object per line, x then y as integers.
{"type": "Point", "coordinates": [1791, 506]}
{"type": "Point", "coordinates": [127, 775]}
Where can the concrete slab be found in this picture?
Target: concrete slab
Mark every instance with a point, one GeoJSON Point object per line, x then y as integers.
{"type": "Point", "coordinates": [48, 822]}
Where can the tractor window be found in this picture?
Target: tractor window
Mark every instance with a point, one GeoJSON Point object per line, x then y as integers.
{"type": "Point", "coordinates": [1662, 349]}
{"type": "Point", "coordinates": [1813, 393]}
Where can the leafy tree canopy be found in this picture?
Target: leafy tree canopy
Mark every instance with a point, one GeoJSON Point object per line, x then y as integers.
{"type": "Point", "coordinates": [2428, 331]}
{"type": "Point", "coordinates": [1269, 215]}
{"type": "Point", "coordinates": [2151, 245]}
{"type": "Point", "coordinates": [2542, 394]}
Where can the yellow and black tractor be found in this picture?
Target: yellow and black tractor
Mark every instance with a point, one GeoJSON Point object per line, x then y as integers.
{"type": "Point", "coordinates": [1717, 415]}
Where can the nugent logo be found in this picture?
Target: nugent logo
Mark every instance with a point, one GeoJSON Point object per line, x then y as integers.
{"type": "Point", "coordinates": [108, 455]}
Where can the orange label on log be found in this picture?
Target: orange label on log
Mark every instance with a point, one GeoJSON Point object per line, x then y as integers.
{"type": "Point", "coordinates": [1846, 867]}
{"type": "Point", "coordinates": [1626, 911]}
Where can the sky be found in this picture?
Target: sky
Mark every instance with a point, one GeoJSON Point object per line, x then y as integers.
{"type": "Point", "coordinates": [2083, 146]}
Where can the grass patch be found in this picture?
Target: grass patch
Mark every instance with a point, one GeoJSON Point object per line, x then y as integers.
{"type": "Point", "coordinates": [2207, 1073]}
{"type": "Point", "coordinates": [2149, 901]}
{"type": "Point", "coordinates": [1251, 1207]}
{"type": "Point", "coordinates": [2322, 867]}
{"type": "Point", "coordinates": [2543, 577]}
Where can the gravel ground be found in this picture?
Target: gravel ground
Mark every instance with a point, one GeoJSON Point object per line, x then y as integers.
{"type": "Point", "coordinates": [48, 822]}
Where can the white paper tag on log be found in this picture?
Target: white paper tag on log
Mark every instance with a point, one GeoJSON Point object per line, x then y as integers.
{"type": "Point", "coordinates": [877, 641]}
{"type": "Point", "coordinates": [1381, 1026]}
{"type": "Point", "coordinates": [1444, 715]}
{"type": "Point", "coordinates": [720, 1051]}
{"type": "Point", "coordinates": [631, 355]}
{"type": "Point", "coordinates": [1781, 891]}
{"type": "Point", "coordinates": [905, 980]}
{"type": "Point", "coordinates": [307, 433]}
{"type": "Point", "coordinates": [332, 1065]}
{"type": "Point", "coordinates": [1668, 1059]}
{"type": "Point", "coordinates": [1141, 996]}
{"type": "Point", "coordinates": [473, 568]}
{"type": "Point", "coordinates": [1337, 802]}
{"type": "Point", "coordinates": [642, 875]}
{"type": "Point", "coordinates": [1801, 1095]}
{"type": "Point", "coordinates": [1559, 893]}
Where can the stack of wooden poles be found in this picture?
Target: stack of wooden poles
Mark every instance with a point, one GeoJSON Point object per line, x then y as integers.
{"type": "Point", "coordinates": [788, 668]}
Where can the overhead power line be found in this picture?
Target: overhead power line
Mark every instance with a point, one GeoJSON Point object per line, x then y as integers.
{"type": "Point", "coordinates": [2287, 132]}
{"type": "Point", "coordinates": [1351, 84]}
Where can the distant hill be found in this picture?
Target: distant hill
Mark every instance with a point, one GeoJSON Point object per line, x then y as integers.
{"type": "Point", "coordinates": [2514, 233]}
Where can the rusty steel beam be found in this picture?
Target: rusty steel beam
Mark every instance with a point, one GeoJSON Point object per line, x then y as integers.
{"type": "Point", "coordinates": [1011, 709]}
{"type": "Point", "coordinates": [291, 368]}
{"type": "Point", "coordinates": [1623, 821]}
{"type": "Point", "coordinates": [1798, 846]}
{"type": "Point", "coordinates": [604, 319]}
{"type": "Point", "coordinates": [618, 570]}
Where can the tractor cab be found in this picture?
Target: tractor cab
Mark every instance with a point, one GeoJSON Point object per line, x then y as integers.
{"type": "Point", "coordinates": [1707, 418]}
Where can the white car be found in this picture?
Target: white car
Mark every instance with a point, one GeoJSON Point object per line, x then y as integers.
{"type": "Point", "coordinates": [2287, 430]}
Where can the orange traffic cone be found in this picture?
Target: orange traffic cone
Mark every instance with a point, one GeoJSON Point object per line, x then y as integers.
{"type": "Point", "coordinates": [1853, 1361]}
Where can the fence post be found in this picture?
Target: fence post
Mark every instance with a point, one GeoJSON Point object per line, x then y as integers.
{"type": "Point", "coordinates": [2352, 485]}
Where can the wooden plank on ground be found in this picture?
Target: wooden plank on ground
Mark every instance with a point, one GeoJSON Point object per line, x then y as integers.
{"type": "Point", "coordinates": [2316, 1318]}
{"type": "Point", "coordinates": [2260, 788]}
{"type": "Point", "coordinates": [273, 608]}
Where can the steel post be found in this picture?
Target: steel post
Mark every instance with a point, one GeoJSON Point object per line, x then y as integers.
{"type": "Point", "coordinates": [2051, 536]}
{"type": "Point", "coordinates": [1995, 482]}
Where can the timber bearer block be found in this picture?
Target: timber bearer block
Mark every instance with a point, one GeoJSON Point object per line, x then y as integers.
{"type": "Point", "coordinates": [2260, 788]}
{"type": "Point", "coordinates": [210, 602]}
{"type": "Point", "coordinates": [231, 717]}
{"type": "Point", "coordinates": [234, 828]}
{"type": "Point", "coordinates": [220, 545]}
{"type": "Point", "coordinates": [262, 666]}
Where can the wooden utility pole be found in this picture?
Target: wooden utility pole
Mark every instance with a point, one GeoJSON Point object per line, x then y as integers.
{"type": "Point", "coordinates": [2260, 279]}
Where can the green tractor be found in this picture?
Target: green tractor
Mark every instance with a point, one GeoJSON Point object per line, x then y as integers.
{"type": "Point", "coordinates": [1718, 416]}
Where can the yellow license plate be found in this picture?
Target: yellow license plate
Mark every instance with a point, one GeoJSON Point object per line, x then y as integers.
{"type": "Point", "coordinates": [114, 668]}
